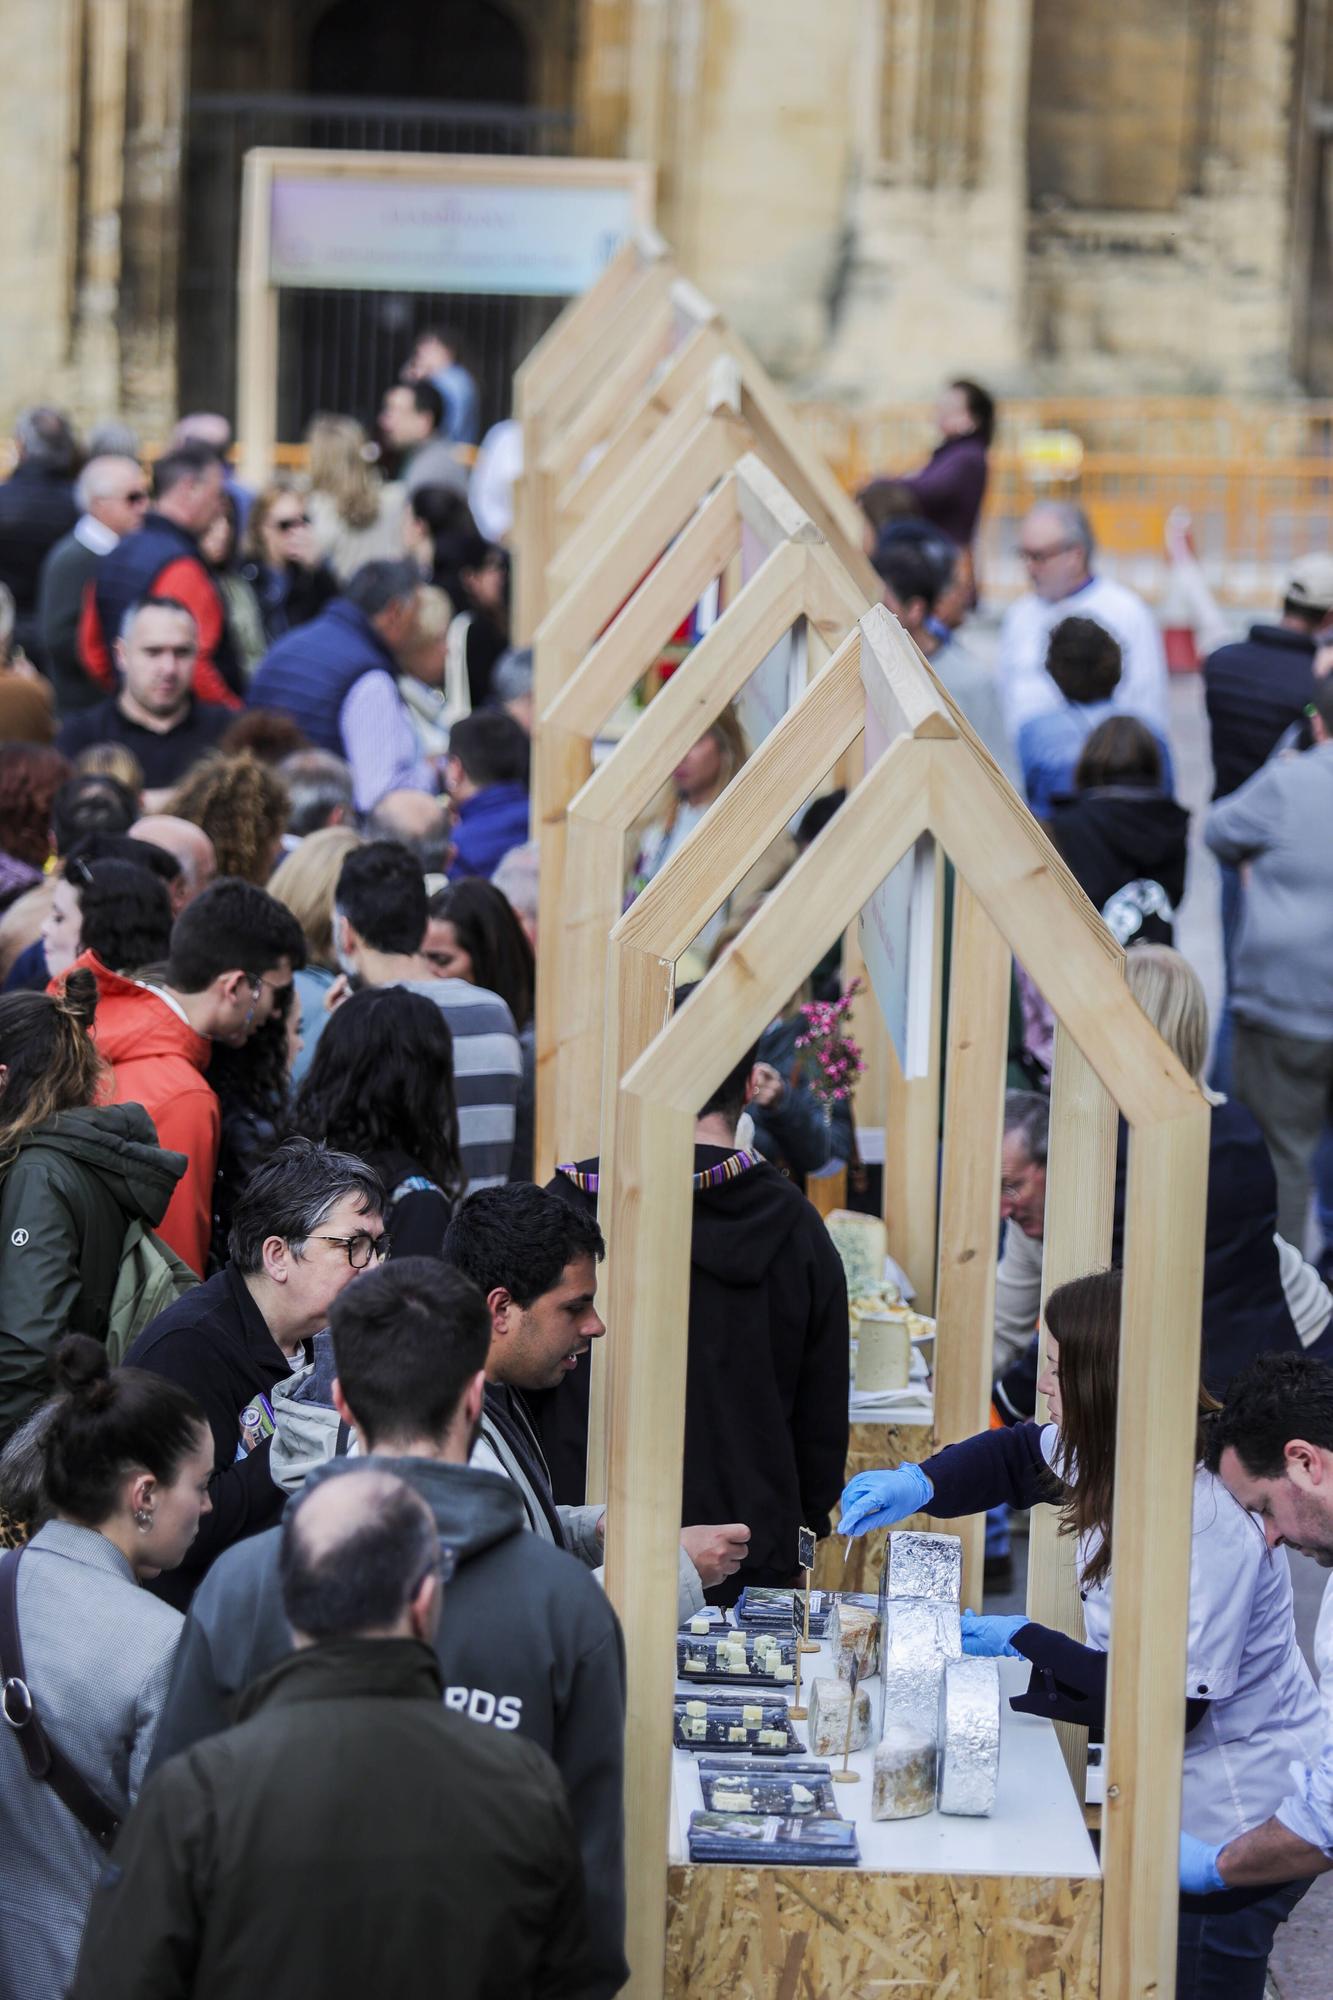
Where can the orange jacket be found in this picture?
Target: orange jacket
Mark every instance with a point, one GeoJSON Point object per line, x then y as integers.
{"type": "Point", "coordinates": [158, 1060]}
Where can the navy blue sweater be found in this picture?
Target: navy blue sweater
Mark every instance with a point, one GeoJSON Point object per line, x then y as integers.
{"type": "Point", "coordinates": [1254, 690]}
{"type": "Point", "coordinates": [1005, 1468]}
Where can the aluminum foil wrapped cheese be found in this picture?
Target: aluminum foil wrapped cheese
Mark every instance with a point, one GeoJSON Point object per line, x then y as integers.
{"type": "Point", "coordinates": [969, 1737]}
{"type": "Point", "coordinates": [904, 1779]}
{"type": "Point", "coordinates": [924, 1566]}
{"type": "Point", "coordinates": [829, 1704]}
{"type": "Point", "coordinates": [919, 1636]}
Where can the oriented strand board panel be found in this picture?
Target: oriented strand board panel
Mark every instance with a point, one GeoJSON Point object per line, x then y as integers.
{"type": "Point", "coordinates": [842, 1934]}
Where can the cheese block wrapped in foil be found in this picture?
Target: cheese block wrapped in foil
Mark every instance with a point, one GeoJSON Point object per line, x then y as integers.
{"type": "Point", "coordinates": [924, 1566]}
{"type": "Point", "coordinates": [829, 1703]}
{"type": "Point", "coordinates": [969, 1737]}
{"type": "Point", "coordinates": [855, 1637]}
{"type": "Point", "coordinates": [904, 1778]}
{"type": "Point", "coordinates": [918, 1636]}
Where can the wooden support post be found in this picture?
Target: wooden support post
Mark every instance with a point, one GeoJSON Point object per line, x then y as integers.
{"type": "Point", "coordinates": [912, 1136]}
{"type": "Point", "coordinates": [1080, 1201]}
{"type": "Point", "coordinates": [689, 369]}
{"type": "Point", "coordinates": [648, 1314]}
{"type": "Point", "coordinates": [1156, 1422]}
{"type": "Point", "coordinates": [970, 1193]}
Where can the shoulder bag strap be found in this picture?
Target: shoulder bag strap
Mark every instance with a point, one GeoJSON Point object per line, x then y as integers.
{"type": "Point", "coordinates": [45, 1763]}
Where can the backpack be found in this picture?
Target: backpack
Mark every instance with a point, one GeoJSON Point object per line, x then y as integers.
{"type": "Point", "coordinates": [151, 1278]}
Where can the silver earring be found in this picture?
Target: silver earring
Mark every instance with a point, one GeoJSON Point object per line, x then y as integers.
{"type": "Point", "coordinates": [143, 1519]}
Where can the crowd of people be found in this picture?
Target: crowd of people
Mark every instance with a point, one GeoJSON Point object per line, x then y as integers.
{"type": "Point", "coordinates": [296, 1329]}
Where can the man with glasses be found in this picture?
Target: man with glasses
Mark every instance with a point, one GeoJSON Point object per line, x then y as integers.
{"type": "Point", "coordinates": [1056, 547]}
{"type": "Point", "coordinates": [113, 494]}
{"type": "Point", "coordinates": [308, 1223]}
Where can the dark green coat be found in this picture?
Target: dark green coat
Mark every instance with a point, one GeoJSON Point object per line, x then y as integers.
{"type": "Point", "coordinates": [66, 1200]}
{"type": "Point", "coordinates": [350, 1837]}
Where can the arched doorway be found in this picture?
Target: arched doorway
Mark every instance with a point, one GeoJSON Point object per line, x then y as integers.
{"type": "Point", "coordinates": [463, 52]}
{"type": "Point", "coordinates": [431, 76]}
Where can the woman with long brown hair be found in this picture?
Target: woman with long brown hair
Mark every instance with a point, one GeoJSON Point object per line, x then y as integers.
{"type": "Point", "coordinates": [1250, 1704]}
{"type": "Point", "coordinates": [74, 1174]}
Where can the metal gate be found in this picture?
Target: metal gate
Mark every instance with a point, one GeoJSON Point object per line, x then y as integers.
{"type": "Point", "coordinates": [339, 350]}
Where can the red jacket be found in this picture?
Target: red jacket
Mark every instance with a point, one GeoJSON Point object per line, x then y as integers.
{"type": "Point", "coordinates": [158, 1060]}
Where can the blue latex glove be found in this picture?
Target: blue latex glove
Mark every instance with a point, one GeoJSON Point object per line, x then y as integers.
{"type": "Point", "coordinates": [988, 1638]}
{"type": "Point", "coordinates": [1199, 1874]}
{"type": "Point", "coordinates": [878, 1499]}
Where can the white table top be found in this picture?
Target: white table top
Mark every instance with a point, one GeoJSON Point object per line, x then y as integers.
{"type": "Point", "coordinates": [1036, 1829]}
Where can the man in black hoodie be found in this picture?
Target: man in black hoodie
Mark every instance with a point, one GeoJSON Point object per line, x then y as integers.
{"type": "Point", "coordinates": [530, 1644]}
{"type": "Point", "coordinates": [766, 1389]}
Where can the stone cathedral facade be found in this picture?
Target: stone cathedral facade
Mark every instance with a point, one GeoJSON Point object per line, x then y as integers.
{"type": "Point", "coordinates": [1063, 196]}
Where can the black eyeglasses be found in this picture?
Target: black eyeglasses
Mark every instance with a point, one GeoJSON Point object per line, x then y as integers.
{"type": "Point", "coordinates": [360, 1249]}
{"type": "Point", "coordinates": [138, 499]}
{"type": "Point", "coordinates": [293, 521]}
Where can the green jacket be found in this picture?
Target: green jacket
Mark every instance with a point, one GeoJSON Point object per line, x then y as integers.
{"type": "Point", "coordinates": [349, 1837]}
{"type": "Point", "coordinates": [66, 1201]}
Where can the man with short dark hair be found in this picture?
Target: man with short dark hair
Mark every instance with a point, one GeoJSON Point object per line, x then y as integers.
{"type": "Point", "coordinates": [335, 676]}
{"type": "Point", "coordinates": [305, 1225]}
{"type": "Point", "coordinates": [1084, 661]}
{"type": "Point", "coordinates": [1272, 1448]}
{"type": "Point", "coordinates": [537, 1267]}
{"type": "Point", "coordinates": [412, 425]}
{"type": "Point", "coordinates": [435, 359]}
{"type": "Point", "coordinates": [37, 507]}
{"type": "Point", "coordinates": [486, 772]}
{"type": "Point", "coordinates": [163, 560]}
{"type": "Point", "coordinates": [449, 1849]}
{"type": "Point", "coordinates": [155, 714]}
{"type": "Point", "coordinates": [232, 949]}
{"type": "Point", "coordinates": [112, 493]}
{"type": "Point", "coordinates": [380, 914]}
{"type": "Point", "coordinates": [533, 1649]}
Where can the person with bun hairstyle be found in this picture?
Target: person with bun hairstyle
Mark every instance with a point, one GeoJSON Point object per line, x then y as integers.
{"type": "Point", "coordinates": [125, 1463]}
{"type": "Point", "coordinates": [74, 1174]}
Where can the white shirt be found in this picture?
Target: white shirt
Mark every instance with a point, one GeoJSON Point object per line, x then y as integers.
{"type": "Point", "coordinates": [1308, 1810]}
{"type": "Point", "coordinates": [1026, 689]}
{"type": "Point", "coordinates": [95, 535]}
{"type": "Point", "coordinates": [1242, 1659]}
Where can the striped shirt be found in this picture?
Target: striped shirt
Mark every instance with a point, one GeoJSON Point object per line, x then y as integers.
{"type": "Point", "coordinates": [487, 1067]}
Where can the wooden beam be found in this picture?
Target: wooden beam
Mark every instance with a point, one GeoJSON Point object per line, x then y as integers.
{"type": "Point", "coordinates": [1156, 1420]}
{"type": "Point", "coordinates": [676, 436]}
{"type": "Point", "coordinates": [599, 416]}
{"type": "Point", "coordinates": [541, 369]}
{"type": "Point", "coordinates": [686, 373]}
{"type": "Point", "coordinates": [571, 709]}
{"type": "Point", "coordinates": [974, 1078]}
{"type": "Point", "coordinates": [648, 1318]}
{"type": "Point", "coordinates": [912, 1133]}
{"type": "Point", "coordinates": [614, 798]}
{"type": "Point", "coordinates": [1080, 1205]}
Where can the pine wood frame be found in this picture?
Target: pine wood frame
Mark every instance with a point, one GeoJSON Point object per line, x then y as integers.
{"type": "Point", "coordinates": [934, 777]}
{"type": "Point", "coordinates": [621, 590]}
{"type": "Point", "coordinates": [798, 579]}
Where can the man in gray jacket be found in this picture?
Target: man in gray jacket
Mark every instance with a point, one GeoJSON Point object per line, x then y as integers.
{"type": "Point", "coordinates": [530, 1644]}
{"type": "Point", "coordinates": [1279, 826]}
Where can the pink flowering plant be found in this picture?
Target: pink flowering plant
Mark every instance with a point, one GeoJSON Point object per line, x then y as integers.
{"type": "Point", "coordinates": [838, 1059]}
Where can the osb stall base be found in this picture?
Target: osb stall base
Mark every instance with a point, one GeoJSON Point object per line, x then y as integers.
{"type": "Point", "coordinates": [871, 1447]}
{"type": "Point", "coordinates": [841, 1934]}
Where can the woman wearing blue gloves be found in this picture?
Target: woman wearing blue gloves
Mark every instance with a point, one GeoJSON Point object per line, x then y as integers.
{"type": "Point", "coordinates": [1250, 1706]}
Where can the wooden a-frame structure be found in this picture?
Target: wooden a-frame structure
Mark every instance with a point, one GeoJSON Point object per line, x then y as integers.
{"type": "Point", "coordinates": [1013, 893]}
{"type": "Point", "coordinates": [796, 582]}
{"type": "Point", "coordinates": [623, 595]}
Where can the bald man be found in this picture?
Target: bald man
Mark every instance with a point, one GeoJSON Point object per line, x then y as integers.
{"type": "Point", "coordinates": [191, 847]}
{"type": "Point", "coordinates": [450, 1845]}
{"type": "Point", "coordinates": [1057, 549]}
